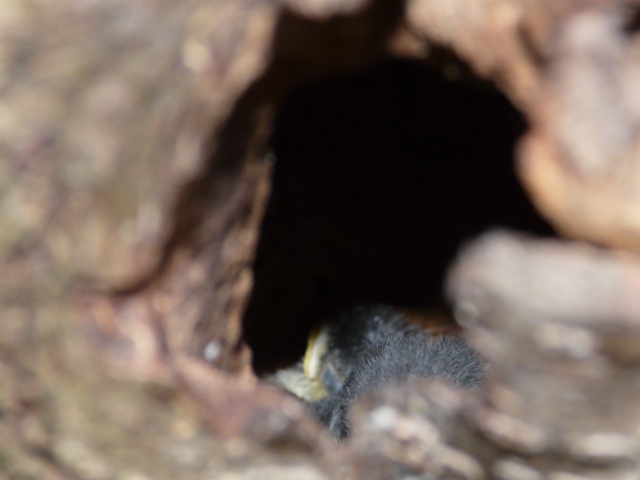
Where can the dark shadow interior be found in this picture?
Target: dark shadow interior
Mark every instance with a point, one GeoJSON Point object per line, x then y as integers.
{"type": "Point", "coordinates": [379, 178]}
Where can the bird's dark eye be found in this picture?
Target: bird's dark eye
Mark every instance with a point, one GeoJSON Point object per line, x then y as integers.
{"type": "Point", "coordinates": [331, 379]}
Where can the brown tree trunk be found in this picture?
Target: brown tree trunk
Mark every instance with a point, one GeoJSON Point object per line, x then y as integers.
{"type": "Point", "coordinates": [134, 143]}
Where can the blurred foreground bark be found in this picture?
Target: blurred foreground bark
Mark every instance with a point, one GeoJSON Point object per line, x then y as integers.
{"type": "Point", "coordinates": [134, 177]}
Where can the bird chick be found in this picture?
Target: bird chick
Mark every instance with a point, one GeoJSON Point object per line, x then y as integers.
{"type": "Point", "coordinates": [367, 348]}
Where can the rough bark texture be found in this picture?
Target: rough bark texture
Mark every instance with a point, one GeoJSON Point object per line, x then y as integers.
{"type": "Point", "coordinates": [134, 176]}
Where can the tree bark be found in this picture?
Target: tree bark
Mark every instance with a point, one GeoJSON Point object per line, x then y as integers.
{"type": "Point", "coordinates": [135, 174]}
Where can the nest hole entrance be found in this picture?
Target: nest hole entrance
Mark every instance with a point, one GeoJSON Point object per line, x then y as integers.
{"type": "Point", "coordinates": [379, 177]}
